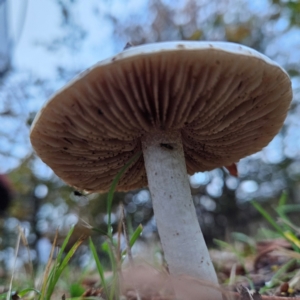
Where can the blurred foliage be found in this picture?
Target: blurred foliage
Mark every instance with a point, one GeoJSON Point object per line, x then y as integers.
{"type": "Point", "coordinates": [42, 203]}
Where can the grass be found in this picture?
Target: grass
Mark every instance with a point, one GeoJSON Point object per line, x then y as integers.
{"type": "Point", "coordinates": [54, 269]}
{"type": "Point", "coordinates": [110, 283]}
{"type": "Point", "coordinates": [282, 270]}
{"type": "Point", "coordinates": [283, 227]}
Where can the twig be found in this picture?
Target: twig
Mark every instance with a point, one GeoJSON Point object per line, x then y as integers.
{"type": "Point", "coordinates": [25, 243]}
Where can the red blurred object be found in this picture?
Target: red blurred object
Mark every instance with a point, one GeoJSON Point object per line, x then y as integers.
{"type": "Point", "coordinates": [232, 169]}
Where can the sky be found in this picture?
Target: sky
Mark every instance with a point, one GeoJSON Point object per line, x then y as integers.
{"type": "Point", "coordinates": [32, 24]}
{"type": "Point", "coordinates": [42, 23]}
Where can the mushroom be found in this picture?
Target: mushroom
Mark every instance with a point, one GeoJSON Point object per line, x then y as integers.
{"type": "Point", "coordinates": [188, 106]}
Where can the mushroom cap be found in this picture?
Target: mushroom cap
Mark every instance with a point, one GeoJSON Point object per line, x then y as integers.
{"type": "Point", "coordinates": [227, 100]}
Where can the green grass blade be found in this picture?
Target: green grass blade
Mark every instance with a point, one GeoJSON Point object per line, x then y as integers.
{"type": "Point", "coordinates": [60, 266]}
{"type": "Point", "coordinates": [284, 232]}
{"type": "Point", "coordinates": [280, 209]}
{"type": "Point", "coordinates": [113, 188]}
{"type": "Point", "coordinates": [129, 225]}
{"type": "Point", "coordinates": [85, 298]}
{"type": "Point", "coordinates": [48, 273]}
{"type": "Point", "coordinates": [99, 266]}
{"type": "Point", "coordinates": [22, 293]}
{"type": "Point", "coordinates": [268, 217]}
{"type": "Point", "coordinates": [223, 244]}
{"type": "Point", "coordinates": [63, 247]}
{"type": "Point", "coordinates": [134, 237]}
{"type": "Point", "coordinates": [48, 279]}
{"type": "Point", "coordinates": [289, 208]}
{"type": "Point", "coordinates": [241, 237]}
{"type": "Point", "coordinates": [276, 277]}
{"type": "Point", "coordinates": [269, 234]}
{"type": "Point", "coordinates": [100, 231]}
{"type": "Point", "coordinates": [110, 250]}
{"type": "Point", "coordinates": [25, 291]}
{"type": "Point", "coordinates": [241, 260]}
{"type": "Point", "coordinates": [108, 246]}
{"type": "Point", "coordinates": [114, 294]}
{"type": "Point", "coordinates": [293, 239]}
{"type": "Point", "coordinates": [283, 199]}
{"type": "Point", "coordinates": [292, 226]}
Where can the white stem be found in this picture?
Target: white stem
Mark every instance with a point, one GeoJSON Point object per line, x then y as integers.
{"type": "Point", "coordinates": [182, 241]}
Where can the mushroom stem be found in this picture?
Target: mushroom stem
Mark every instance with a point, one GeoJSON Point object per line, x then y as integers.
{"type": "Point", "coordinates": [182, 241]}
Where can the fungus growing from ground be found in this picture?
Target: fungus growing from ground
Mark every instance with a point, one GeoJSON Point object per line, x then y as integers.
{"type": "Point", "coordinates": [188, 106]}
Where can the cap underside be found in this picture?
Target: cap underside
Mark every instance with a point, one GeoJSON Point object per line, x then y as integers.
{"type": "Point", "coordinates": [226, 105]}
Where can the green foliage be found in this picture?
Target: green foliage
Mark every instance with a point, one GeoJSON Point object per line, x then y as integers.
{"type": "Point", "coordinates": [287, 230]}
{"type": "Point", "coordinates": [109, 246]}
{"type": "Point", "coordinates": [76, 290]}
{"type": "Point", "coordinates": [21, 293]}
{"type": "Point", "coordinates": [241, 237]}
{"type": "Point", "coordinates": [113, 188]}
{"type": "Point", "coordinates": [279, 276]}
{"type": "Point", "coordinates": [268, 217]}
{"type": "Point", "coordinates": [239, 255]}
{"type": "Point", "coordinates": [99, 267]}
{"type": "Point", "coordinates": [110, 285]}
{"type": "Point", "coordinates": [284, 228]}
{"type": "Point", "coordinates": [59, 266]}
